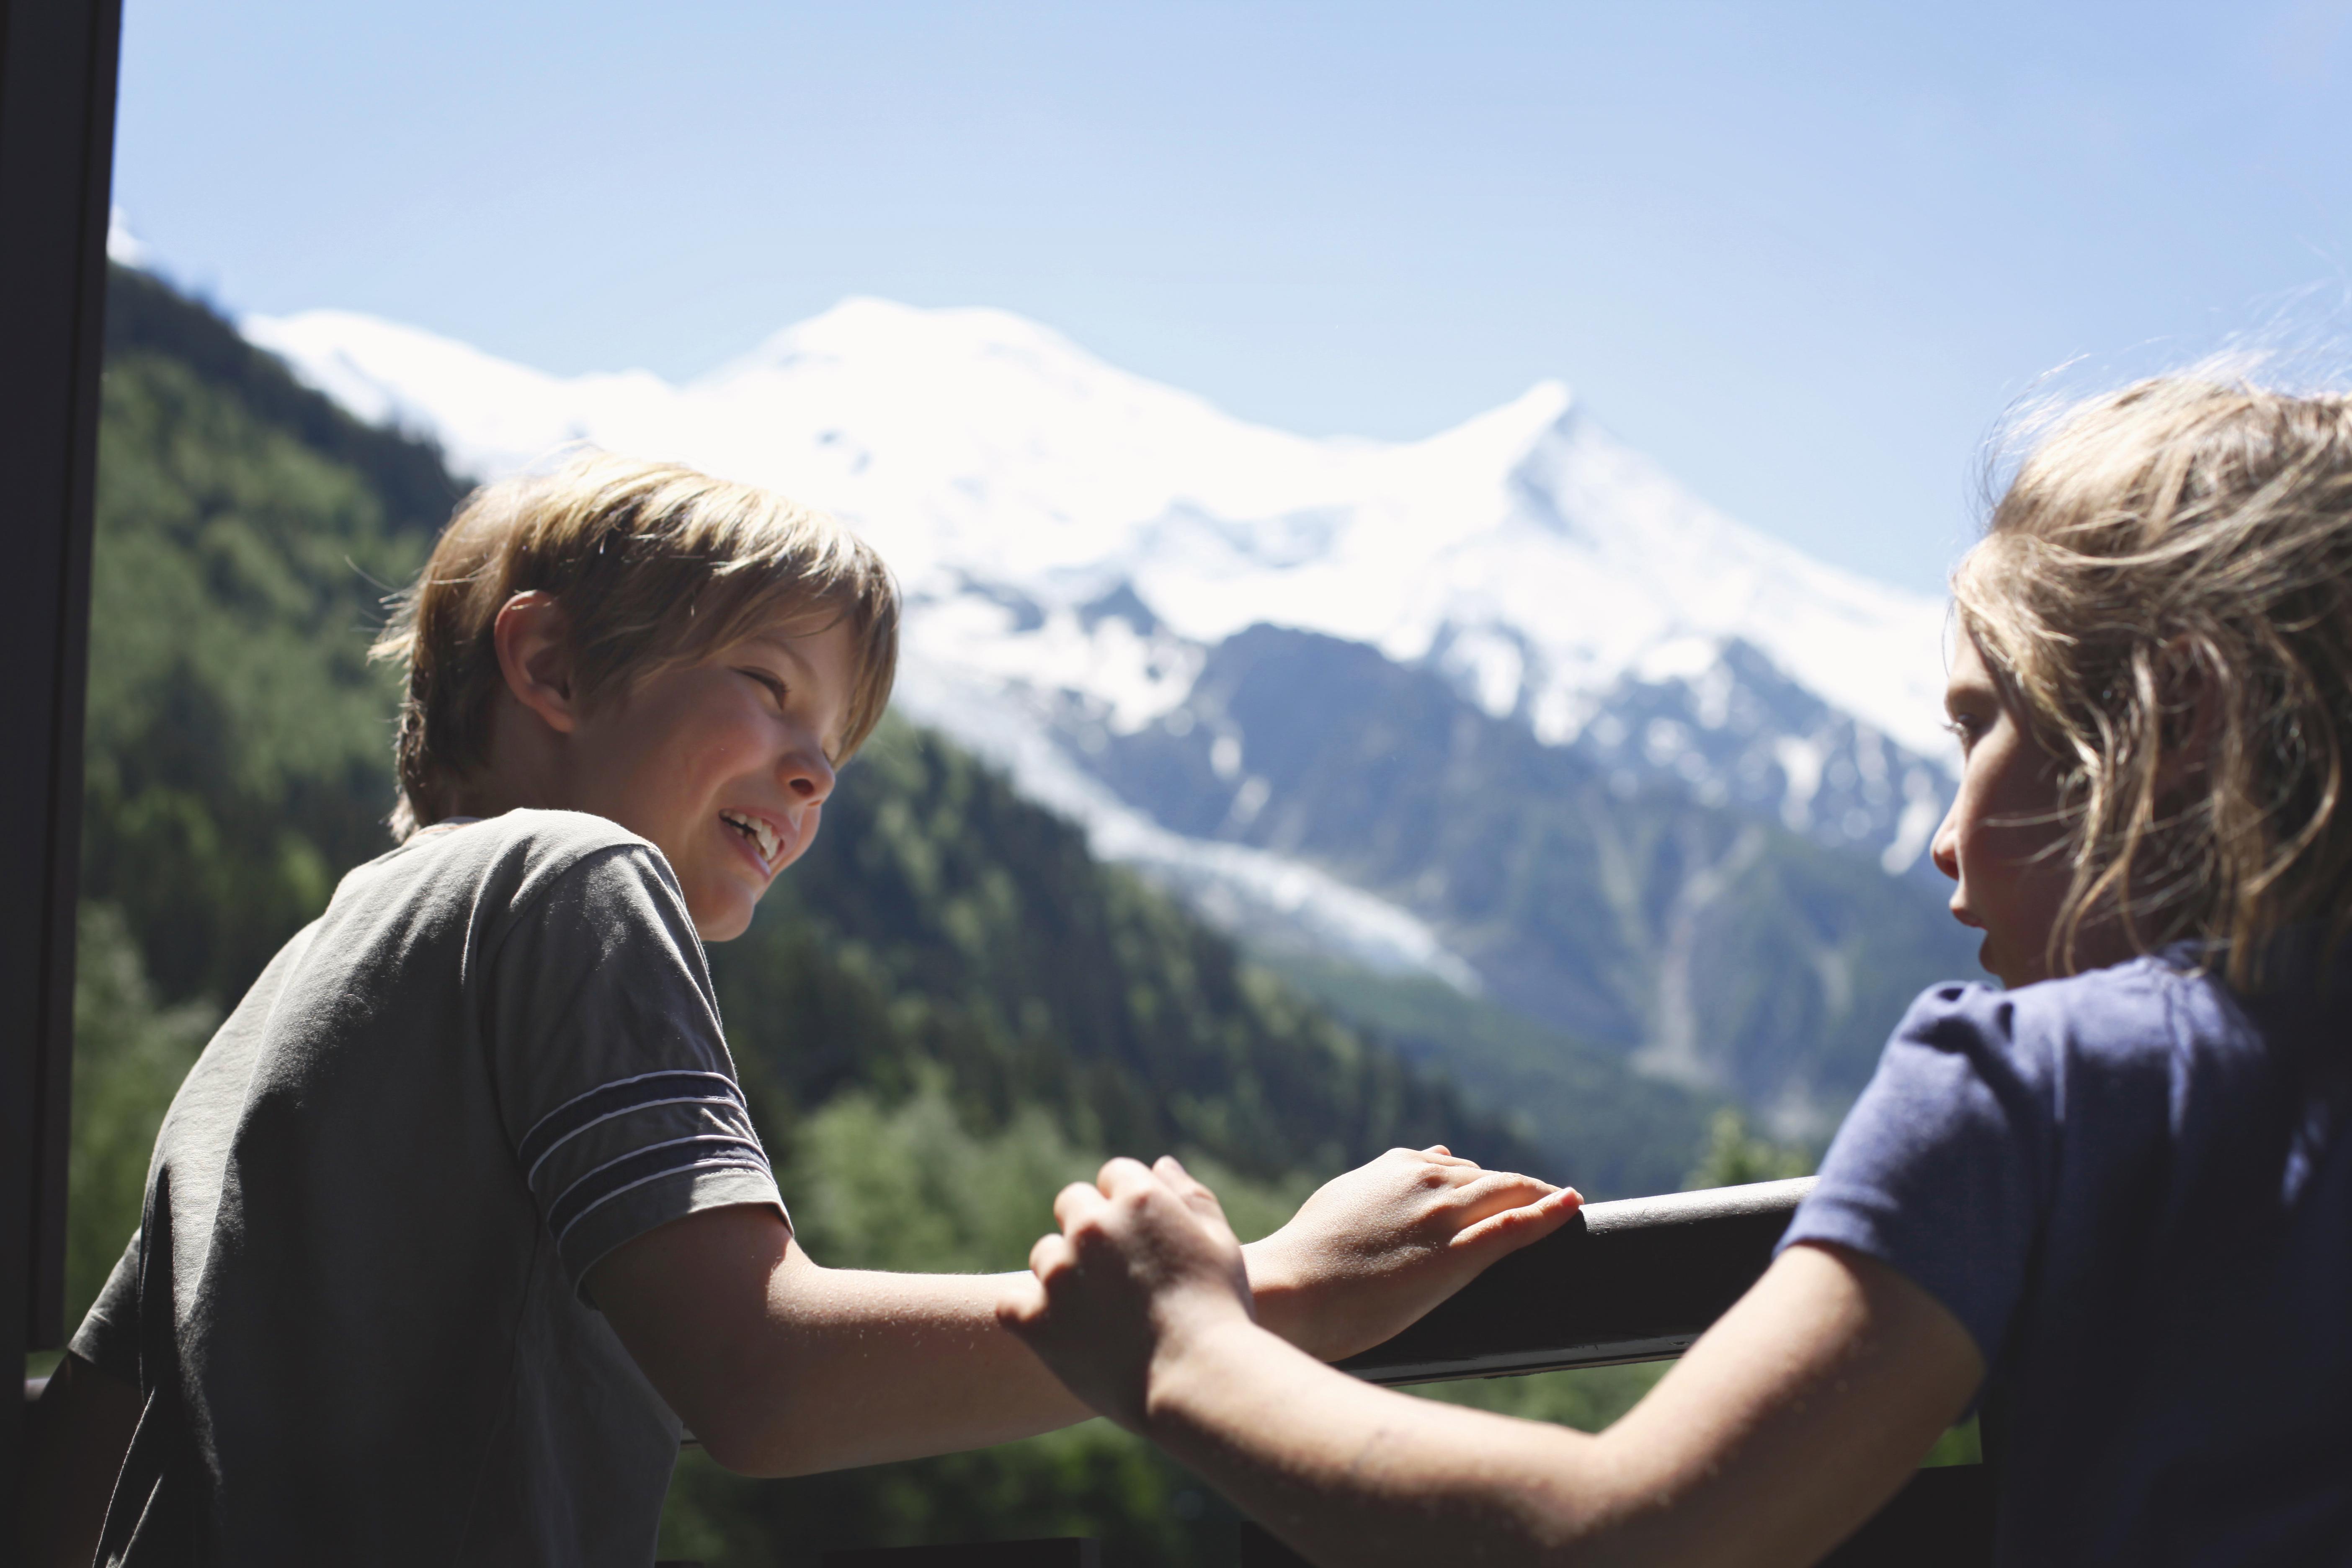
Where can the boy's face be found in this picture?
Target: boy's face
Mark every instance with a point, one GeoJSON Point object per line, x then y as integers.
{"type": "Point", "coordinates": [2000, 841]}
{"type": "Point", "coordinates": [725, 766]}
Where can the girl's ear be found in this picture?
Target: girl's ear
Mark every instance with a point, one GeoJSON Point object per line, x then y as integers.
{"type": "Point", "coordinates": [534, 645]}
{"type": "Point", "coordinates": [2187, 715]}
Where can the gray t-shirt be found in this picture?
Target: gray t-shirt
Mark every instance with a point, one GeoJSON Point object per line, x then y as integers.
{"type": "Point", "coordinates": [354, 1309]}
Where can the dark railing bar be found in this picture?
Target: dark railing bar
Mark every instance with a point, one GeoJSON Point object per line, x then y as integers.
{"type": "Point", "coordinates": [1638, 1279]}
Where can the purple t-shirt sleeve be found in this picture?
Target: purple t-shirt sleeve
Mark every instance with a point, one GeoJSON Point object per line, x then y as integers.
{"type": "Point", "coordinates": [1944, 1167]}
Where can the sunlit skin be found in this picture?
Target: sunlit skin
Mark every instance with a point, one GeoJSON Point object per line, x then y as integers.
{"type": "Point", "coordinates": [1999, 841]}
{"type": "Point", "coordinates": [750, 733]}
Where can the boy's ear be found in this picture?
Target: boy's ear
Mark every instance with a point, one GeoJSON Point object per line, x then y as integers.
{"type": "Point", "coordinates": [534, 647]}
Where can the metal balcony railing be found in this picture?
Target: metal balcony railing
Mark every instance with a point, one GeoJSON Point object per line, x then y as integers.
{"type": "Point", "coordinates": [1628, 1281]}
{"type": "Point", "coordinates": [1633, 1280]}
{"type": "Point", "coordinates": [1640, 1280]}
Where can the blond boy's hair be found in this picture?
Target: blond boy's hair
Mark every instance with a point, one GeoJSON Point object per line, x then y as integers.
{"type": "Point", "coordinates": [655, 566]}
{"type": "Point", "coordinates": [2165, 592]}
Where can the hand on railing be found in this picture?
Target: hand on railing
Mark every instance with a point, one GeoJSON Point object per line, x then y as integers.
{"type": "Point", "coordinates": [1373, 1249]}
{"type": "Point", "coordinates": [1144, 1258]}
{"type": "Point", "coordinates": [1145, 1254]}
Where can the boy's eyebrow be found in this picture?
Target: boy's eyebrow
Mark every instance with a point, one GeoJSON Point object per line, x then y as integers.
{"type": "Point", "coordinates": [783, 646]}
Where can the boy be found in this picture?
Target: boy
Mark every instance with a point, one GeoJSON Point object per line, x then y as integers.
{"type": "Point", "coordinates": [461, 1220]}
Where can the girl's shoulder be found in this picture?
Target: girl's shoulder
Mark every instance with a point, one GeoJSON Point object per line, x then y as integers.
{"type": "Point", "coordinates": [2152, 1014]}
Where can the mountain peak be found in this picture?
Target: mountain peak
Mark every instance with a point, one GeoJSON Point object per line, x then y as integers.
{"type": "Point", "coordinates": [864, 326]}
{"type": "Point", "coordinates": [1547, 407]}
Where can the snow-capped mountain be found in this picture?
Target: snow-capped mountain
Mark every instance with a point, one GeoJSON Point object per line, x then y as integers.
{"type": "Point", "coordinates": [1539, 559]}
{"type": "Point", "coordinates": [1079, 543]}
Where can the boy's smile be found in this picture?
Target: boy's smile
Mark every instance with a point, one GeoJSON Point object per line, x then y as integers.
{"type": "Point", "coordinates": [725, 766]}
{"type": "Point", "coordinates": [2002, 841]}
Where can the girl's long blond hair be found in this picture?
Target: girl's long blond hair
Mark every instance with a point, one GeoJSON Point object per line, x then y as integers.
{"type": "Point", "coordinates": [2165, 591]}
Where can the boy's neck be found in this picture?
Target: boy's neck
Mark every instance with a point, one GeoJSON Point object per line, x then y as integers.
{"type": "Point", "coordinates": [525, 769]}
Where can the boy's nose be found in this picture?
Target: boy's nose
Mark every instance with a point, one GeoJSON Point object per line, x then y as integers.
{"type": "Point", "coordinates": [808, 775]}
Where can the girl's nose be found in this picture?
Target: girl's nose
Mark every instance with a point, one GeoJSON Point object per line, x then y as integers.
{"type": "Point", "coordinates": [1945, 849]}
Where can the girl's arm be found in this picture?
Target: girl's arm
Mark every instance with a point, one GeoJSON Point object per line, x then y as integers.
{"type": "Point", "coordinates": [782, 1367]}
{"type": "Point", "coordinates": [1782, 1429]}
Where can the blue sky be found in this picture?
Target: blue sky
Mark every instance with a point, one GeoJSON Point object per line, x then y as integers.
{"type": "Point", "coordinates": [1802, 254]}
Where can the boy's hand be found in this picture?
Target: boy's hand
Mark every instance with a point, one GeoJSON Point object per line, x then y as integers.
{"type": "Point", "coordinates": [1374, 1249]}
{"type": "Point", "coordinates": [1144, 1256]}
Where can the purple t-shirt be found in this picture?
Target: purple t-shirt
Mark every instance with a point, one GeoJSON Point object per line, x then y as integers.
{"type": "Point", "coordinates": [2133, 1188]}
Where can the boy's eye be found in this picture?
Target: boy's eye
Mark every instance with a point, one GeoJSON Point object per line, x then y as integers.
{"type": "Point", "coordinates": [775, 688]}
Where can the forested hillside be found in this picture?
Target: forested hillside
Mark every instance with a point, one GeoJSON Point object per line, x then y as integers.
{"type": "Point", "coordinates": [947, 1010]}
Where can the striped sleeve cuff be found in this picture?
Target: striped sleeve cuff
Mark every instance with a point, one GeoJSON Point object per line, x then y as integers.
{"type": "Point", "coordinates": [616, 1161]}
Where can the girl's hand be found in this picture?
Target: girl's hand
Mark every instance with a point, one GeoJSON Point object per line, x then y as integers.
{"type": "Point", "coordinates": [1374, 1249]}
{"type": "Point", "coordinates": [1144, 1258]}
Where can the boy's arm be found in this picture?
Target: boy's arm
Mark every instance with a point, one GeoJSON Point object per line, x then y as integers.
{"type": "Point", "coordinates": [1373, 1249]}
{"type": "Point", "coordinates": [75, 1441]}
{"type": "Point", "coordinates": [1789, 1421]}
{"type": "Point", "coordinates": [782, 1367]}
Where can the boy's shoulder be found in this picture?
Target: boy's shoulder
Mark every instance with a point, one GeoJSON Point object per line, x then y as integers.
{"type": "Point", "coordinates": [541, 835]}
{"type": "Point", "coordinates": [473, 882]}
{"type": "Point", "coordinates": [526, 848]}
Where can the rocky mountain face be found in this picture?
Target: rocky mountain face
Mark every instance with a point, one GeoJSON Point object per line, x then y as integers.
{"type": "Point", "coordinates": [1589, 885]}
{"type": "Point", "coordinates": [1505, 706]}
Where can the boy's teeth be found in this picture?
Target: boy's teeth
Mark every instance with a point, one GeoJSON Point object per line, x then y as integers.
{"type": "Point", "coordinates": [758, 832]}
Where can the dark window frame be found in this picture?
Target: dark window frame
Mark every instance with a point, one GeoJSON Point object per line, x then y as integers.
{"type": "Point", "coordinates": [59, 62]}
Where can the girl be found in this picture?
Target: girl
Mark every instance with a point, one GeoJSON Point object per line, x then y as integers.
{"type": "Point", "coordinates": [2117, 1181]}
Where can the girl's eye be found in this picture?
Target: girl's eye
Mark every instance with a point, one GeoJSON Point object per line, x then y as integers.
{"type": "Point", "coordinates": [1965, 728]}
